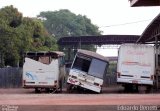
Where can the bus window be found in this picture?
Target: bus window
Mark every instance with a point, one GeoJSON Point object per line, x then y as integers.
{"type": "Point", "coordinates": [82, 64]}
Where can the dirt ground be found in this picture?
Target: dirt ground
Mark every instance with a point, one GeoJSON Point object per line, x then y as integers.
{"type": "Point", "coordinates": [110, 97]}
{"type": "Point", "coordinates": [80, 99]}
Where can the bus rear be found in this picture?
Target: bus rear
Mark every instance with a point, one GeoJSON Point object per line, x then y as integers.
{"type": "Point", "coordinates": [136, 64]}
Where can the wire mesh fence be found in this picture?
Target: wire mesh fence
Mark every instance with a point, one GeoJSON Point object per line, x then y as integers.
{"type": "Point", "coordinates": [10, 77]}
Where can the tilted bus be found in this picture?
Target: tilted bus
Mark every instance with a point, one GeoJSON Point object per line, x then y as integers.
{"type": "Point", "coordinates": [87, 71]}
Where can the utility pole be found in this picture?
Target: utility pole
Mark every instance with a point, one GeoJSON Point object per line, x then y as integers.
{"type": "Point", "coordinates": [157, 70]}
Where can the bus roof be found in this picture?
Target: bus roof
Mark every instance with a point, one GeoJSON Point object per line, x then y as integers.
{"type": "Point", "coordinates": [93, 54]}
{"type": "Point", "coordinates": [44, 53]}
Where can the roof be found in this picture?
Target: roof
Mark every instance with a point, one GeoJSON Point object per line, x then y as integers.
{"type": "Point", "coordinates": [98, 40]}
{"type": "Point", "coordinates": [31, 53]}
{"type": "Point", "coordinates": [92, 54]}
{"type": "Point", "coordinates": [149, 33]}
{"type": "Point", "coordinates": [58, 53]}
{"type": "Point", "coordinates": [113, 58]}
{"type": "Point", "coordinates": [135, 3]}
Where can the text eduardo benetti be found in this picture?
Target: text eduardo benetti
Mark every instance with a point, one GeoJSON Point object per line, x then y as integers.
{"type": "Point", "coordinates": [137, 108]}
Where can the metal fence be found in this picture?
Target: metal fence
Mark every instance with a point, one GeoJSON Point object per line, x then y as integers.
{"type": "Point", "coordinates": [10, 77]}
{"type": "Point", "coordinates": [110, 79]}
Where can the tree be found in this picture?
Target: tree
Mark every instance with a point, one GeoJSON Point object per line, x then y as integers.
{"type": "Point", "coordinates": [19, 34]}
{"type": "Point", "coordinates": [65, 23]}
{"type": "Point", "coordinates": [10, 18]}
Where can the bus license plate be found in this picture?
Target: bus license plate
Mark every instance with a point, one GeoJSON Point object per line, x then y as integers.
{"type": "Point", "coordinates": [134, 81]}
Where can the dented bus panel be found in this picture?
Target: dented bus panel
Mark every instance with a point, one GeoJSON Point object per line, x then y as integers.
{"type": "Point", "coordinates": [43, 70]}
{"type": "Point", "coordinates": [87, 71]}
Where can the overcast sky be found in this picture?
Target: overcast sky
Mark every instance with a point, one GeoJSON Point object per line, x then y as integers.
{"type": "Point", "coordinates": [112, 16]}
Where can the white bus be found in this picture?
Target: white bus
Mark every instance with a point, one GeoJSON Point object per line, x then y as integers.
{"type": "Point", "coordinates": [136, 65]}
{"type": "Point", "coordinates": [44, 70]}
{"type": "Point", "coordinates": [87, 71]}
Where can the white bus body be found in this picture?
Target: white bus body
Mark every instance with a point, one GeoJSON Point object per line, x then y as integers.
{"type": "Point", "coordinates": [87, 70]}
{"type": "Point", "coordinates": [136, 64]}
{"type": "Point", "coordinates": [37, 74]}
{"type": "Point", "coordinates": [43, 74]}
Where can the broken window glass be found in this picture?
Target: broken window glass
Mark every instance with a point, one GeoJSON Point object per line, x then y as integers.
{"type": "Point", "coordinates": [82, 64]}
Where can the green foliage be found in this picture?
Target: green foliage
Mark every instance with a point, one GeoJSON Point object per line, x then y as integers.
{"type": "Point", "coordinates": [112, 68]}
{"type": "Point", "coordinates": [12, 17]}
{"type": "Point", "coordinates": [65, 23]}
{"type": "Point", "coordinates": [19, 34]}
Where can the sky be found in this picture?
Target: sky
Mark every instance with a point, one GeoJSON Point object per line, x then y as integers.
{"type": "Point", "coordinates": [111, 16]}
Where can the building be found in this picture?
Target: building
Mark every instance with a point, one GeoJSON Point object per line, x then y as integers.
{"type": "Point", "coordinates": [135, 3]}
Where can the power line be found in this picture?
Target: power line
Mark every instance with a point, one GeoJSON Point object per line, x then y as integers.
{"type": "Point", "coordinates": [125, 23]}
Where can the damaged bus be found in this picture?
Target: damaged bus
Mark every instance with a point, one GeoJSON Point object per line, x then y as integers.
{"type": "Point", "coordinates": [87, 71]}
{"type": "Point", "coordinates": [44, 71]}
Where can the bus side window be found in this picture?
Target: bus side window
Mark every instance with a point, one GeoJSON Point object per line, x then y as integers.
{"type": "Point", "coordinates": [62, 61]}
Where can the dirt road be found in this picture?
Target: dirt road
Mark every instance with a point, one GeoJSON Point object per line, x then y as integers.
{"type": "Point", "coordinates": [28, 97]}
{"type": "Point", "coordinates": [80, 99]}
{"type": "Point", "coordinates": [27, 100]}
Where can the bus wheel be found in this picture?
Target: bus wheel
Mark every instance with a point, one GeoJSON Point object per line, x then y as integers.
{"type": "Point", "coordinates": [69, 88]}
{"type": "Point", "coordinates": [100, 91]}
{"type": "Point", "coordinates": [37, 90]}
{"type": "Point", "coordinates": [47, 90]}
{"type": "Point", "coordinates": [128, 88]}
{"type": "Point", "coordinates": [149, 89]}
{"type": "Point", "coordinates": [60, 86]}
